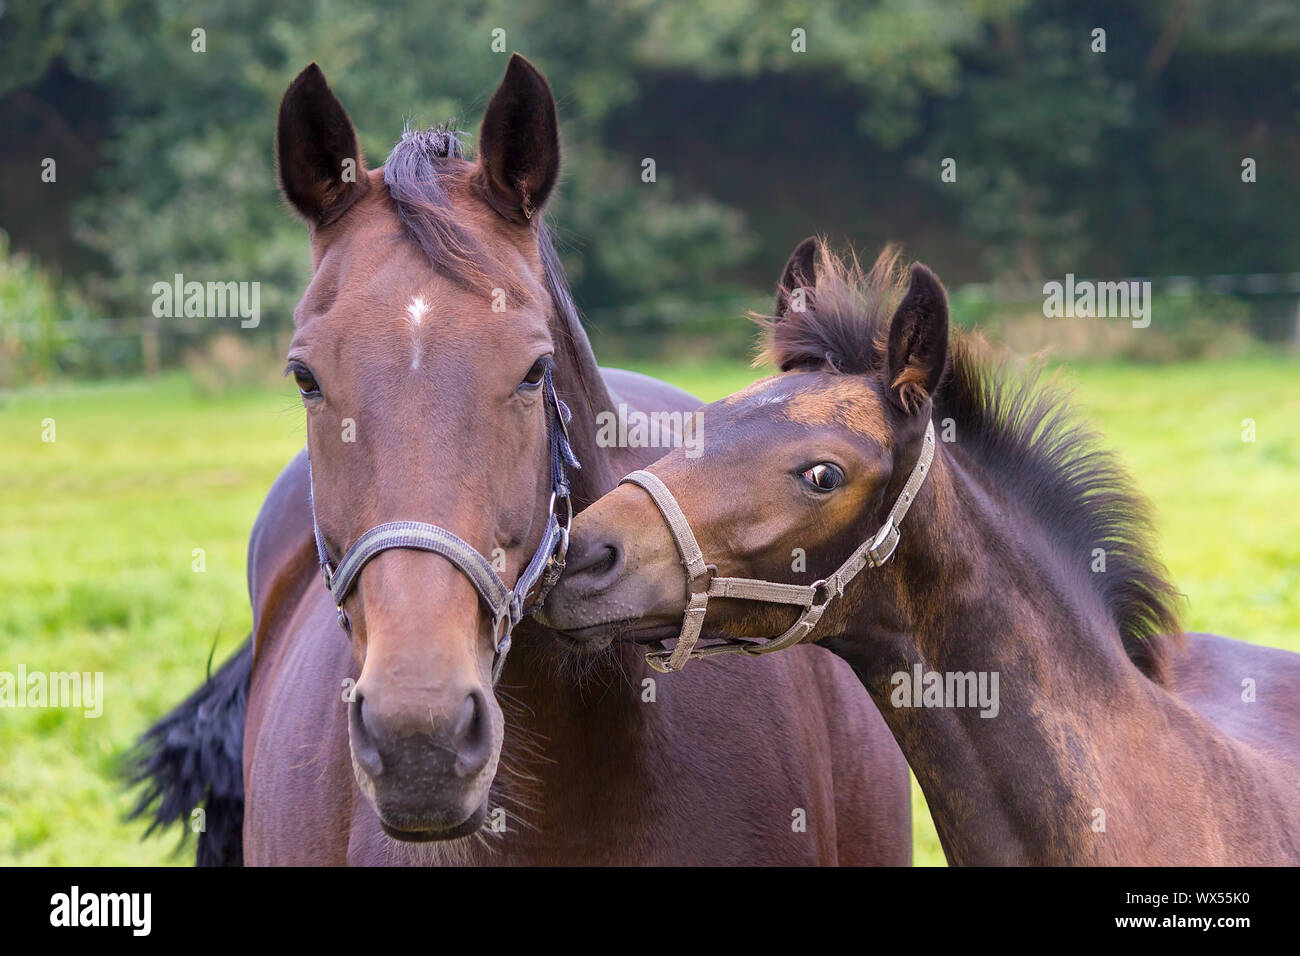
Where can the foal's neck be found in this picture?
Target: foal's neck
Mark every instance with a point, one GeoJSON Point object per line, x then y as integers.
{"type": "Point", "coordinates": [1050, 774]}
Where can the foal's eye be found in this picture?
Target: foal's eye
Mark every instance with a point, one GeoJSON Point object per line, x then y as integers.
{"type": "Point", "coordinates": [306, 381]}
{"type": "Point", "coordinates": [535, 375]}
{"type": "Point", "coordinates": [824, 477]}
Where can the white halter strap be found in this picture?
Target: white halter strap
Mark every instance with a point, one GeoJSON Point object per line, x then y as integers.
{"type": "Point", "coordinates": [702, 582]}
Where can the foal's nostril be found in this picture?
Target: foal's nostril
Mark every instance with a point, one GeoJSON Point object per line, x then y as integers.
{"type": "Point", "coordinates": [596, 566]}
{"type": "Point", "coordinates": [364, 747]}
{"type": "Point", "coordinates": [472, 735]}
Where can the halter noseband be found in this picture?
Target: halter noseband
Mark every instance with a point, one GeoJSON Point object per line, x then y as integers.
{"type": "Point", "coordinates": [703, 583]}
{"type": "Point", "coordinates": [505, 604]}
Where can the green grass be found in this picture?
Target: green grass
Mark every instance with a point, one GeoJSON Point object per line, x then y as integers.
{"type": "Point", "coordinates": [99, 527]}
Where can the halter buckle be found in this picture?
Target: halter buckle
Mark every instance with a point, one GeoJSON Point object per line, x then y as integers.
{"type": "Point", "coordinates": [659, 661]}
{"type": "Point", "coordinates": [702, 581]}
{"type": "Point", "coordinates": [883, 544]}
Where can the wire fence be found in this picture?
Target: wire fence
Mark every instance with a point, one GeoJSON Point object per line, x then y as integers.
{"type": "Point", "coordinates": [1268, 302]}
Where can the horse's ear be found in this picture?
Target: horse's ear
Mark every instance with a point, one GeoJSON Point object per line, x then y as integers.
{"type": "Point", "coordinates": [321, 170]}
{"type": "Point", "coordinates": [918, 341]}
{"type": "Point", "coordinates": [519, 143]}
{"type": "Point", "coordinates": [798, 276]}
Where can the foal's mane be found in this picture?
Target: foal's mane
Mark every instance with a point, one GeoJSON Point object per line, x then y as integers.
{"type": "Point", "coordinates": [1018, 425]}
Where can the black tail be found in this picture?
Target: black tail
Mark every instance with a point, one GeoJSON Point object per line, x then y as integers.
{"type": "Point", "coordinates": [196, 755]}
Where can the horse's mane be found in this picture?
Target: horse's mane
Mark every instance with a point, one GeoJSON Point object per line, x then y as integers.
{"type": "Point", "coordinates": [1018, 425]}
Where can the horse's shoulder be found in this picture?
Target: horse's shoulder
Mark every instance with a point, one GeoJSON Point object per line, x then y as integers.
{"type": "Point", "coordinates": [281, 550]}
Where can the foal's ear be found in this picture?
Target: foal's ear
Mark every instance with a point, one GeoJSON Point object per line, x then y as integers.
{"type": "Point", "coordinates": [798, 276]}
{"type": "Point", "coordinates": [519, 143]}
{"type": "Point", "coordinates": [918, 341]}
{"type": "Point", "coordinates": [321, 170]}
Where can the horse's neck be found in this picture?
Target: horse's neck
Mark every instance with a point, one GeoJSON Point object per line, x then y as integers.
{"type": "Point", "coordinates": [562, 706]}
{"type": "Point", "coordinates": [578, 379]}
{"type": "Point", "coordinates": [1034, 779]}
{"type": "Point", "coordinates": [583, 390]}
{"type": "Point", "coordinates": [581, 385]}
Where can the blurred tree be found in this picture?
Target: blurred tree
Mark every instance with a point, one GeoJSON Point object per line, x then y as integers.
{"type": "Point", "coordinates": [187, 180]}
{"type": "Point", "coordinates": [1126, 161]}
{"type": "Point", "coordinates": [188, 183]}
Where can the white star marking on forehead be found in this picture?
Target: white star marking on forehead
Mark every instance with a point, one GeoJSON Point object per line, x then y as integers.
{"type": "Point", "coordinates": [416, 310]}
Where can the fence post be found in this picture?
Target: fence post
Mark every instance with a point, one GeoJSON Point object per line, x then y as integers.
{"type": "Point", "coordinates": [149, 346]}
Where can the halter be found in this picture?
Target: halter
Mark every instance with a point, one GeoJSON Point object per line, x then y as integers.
{"type": "Point", "coordinates": [505, 604]}
{"type": "Point", "coordinates": [702, 582]}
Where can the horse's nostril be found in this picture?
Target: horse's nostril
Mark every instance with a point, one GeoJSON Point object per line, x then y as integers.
{"type": "Point", "coordinates": [472, 735]}
{"type": "Point", "coordinates": [414, 742]}
{"type": "Point", "coordinates": [364, 747]}
{"type": "Point", "coordinates": [465, 717]}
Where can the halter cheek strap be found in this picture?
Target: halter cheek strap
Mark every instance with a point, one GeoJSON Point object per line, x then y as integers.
{"type": "Point", "coordinates": [506, 605]}
{"type": "Point", "coordinates": [703, 582]}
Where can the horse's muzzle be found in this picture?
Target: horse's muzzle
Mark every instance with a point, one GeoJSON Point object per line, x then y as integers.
{"type": "Point", "coordinates": [427, 778]}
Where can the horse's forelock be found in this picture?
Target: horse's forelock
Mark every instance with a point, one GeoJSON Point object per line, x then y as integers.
{"type": "Point", "coordinates": [417, 173]}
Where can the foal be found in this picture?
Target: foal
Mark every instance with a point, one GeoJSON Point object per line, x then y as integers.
{"type": "Point", "coordinates": [1015, 630]}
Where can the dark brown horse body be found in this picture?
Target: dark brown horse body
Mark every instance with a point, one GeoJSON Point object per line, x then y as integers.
{"type": "Point", "coordinates": [1024, 556]}
{"type": "Point", "coordinates": [401, 342]}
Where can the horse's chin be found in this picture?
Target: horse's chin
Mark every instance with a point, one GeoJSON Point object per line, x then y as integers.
{"type": "Point", "coordinates": [421, 835]}
{"type": "Point", "coordinates": [426, 828]}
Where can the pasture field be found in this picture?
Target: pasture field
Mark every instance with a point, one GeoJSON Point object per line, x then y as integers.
{"type": "Point", "coordinates": [122, 547]}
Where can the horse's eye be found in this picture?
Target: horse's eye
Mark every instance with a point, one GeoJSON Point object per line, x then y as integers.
{"type": "Point", "coordinates": [306, 381]}
{"type": "Point", "coordinates": [824, 477]}
{"type": "Point", "coordinates": [535, 375]}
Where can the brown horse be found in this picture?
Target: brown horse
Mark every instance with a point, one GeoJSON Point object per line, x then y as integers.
{"type": "Point", "coordinates": [436, 315]}
{"type": "Point", "coordinates": [1018, 640]}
